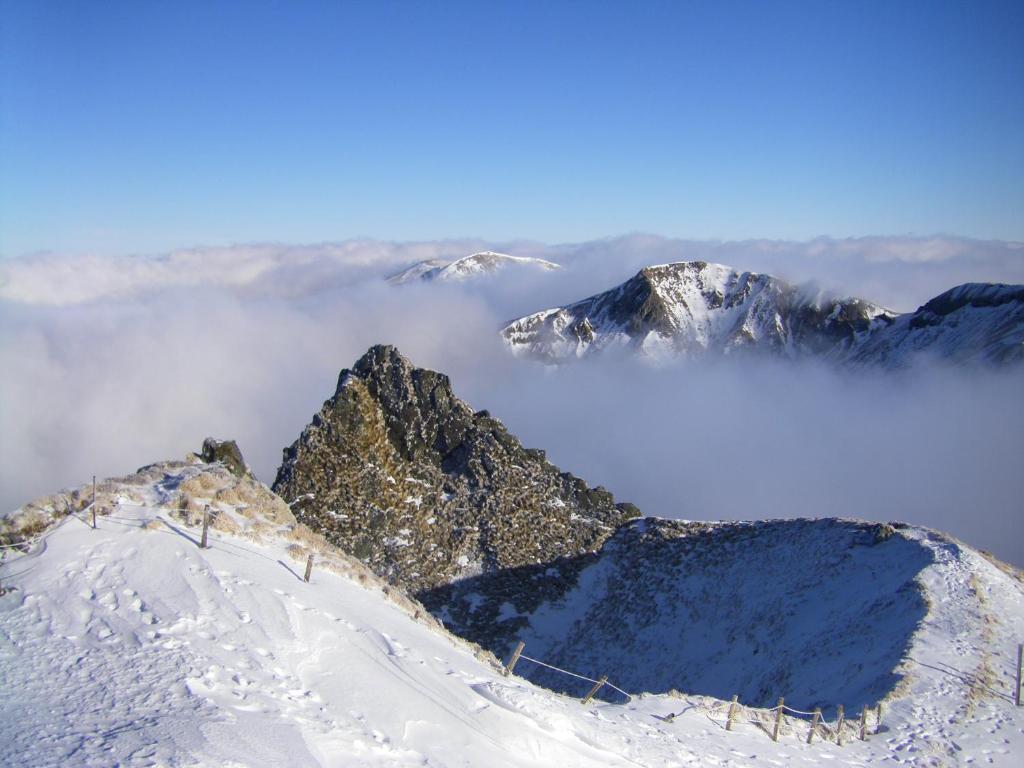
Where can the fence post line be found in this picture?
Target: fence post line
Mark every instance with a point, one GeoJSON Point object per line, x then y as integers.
{"type": "Point", "coordinates": [1020, 657]}
{"type": "Point", "coordinates": [732, 711]}
{"type": "Point", "coordinates": [814, 724]}
{"type": "Point", "coordinates": [840, 719]}
{"type": "Point", "coordinates": [595, 689]}
{"type": "Point", "coordinates": [206, 525]}
{"type": "Point", "coordinates": [94, 502]}
{"type": "Point", "coordinates": [778, 718]}
{"type": "Point", "coordinates": [878, 717]}
{"type": "Point", "coordinates": [515, 657]}
{"type": "Point", "coordinates": [309, 567]}
{"type": "Point", "coordinates": [864, 723]}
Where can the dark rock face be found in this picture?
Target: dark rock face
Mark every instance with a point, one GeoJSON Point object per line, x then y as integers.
{"type": "Point", "coordinates": [401, 473]}
{"type": "Point", "coordinates": [226, 452]}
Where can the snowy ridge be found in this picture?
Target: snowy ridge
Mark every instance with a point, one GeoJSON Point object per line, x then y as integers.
{"type": "Point", "coordinates": [129, 645]}
{"type": "Point", "coordinates": [974, 322]}
{"type": "Point", "coordinates": [695, 308]}
{"type": "Point", "coordinates": [474, 265]}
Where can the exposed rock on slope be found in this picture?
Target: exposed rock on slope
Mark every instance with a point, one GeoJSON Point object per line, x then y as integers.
{"type": "Point", "coordinates": [474, 265]}
{"type": "Point", "coordinates": [227, 453]}
{"type": "Point", "coordinates": [694, 308]}
{"type": "Point", "coordinates": [400, 472]}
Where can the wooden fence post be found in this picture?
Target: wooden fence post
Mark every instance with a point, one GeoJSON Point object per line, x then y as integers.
{"type": "Point", "coordinates": [94, 502]}
{"type": "Point", "coordinates": [840, 719]}
{"type": "Point", "coordinates": [778, 718]}
{"type": "Point", "coordinates": [595, 689]}
{"type": "Point", "coordinates": [814, 724]}
{"type": "Point", "coordinates": [732, 711]}
{"type": "Point", "coordinates": [206, 525]}
{"type": "Point", "coordinates": [1020, 656]}
{"type": "Point", "coordinates": [878, 717]}
{"type": "Point", "coordinates": [515, 657]}
{"type": "Point", "coordinates": [864, 723]}
{"type": "Point", "coordinates": [309, 567]}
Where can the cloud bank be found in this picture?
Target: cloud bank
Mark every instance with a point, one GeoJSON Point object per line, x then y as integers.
{"type": "Point", "coordinates": [112, 362]}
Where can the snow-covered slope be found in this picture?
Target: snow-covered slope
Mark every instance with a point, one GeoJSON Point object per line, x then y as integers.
{"type": "Point", "coordinates": [129, 645]}
{"type": "Point", "coordinates": [474, 265]}
{"type": "Point", "coordinates": [694, 308]}
{"type": "Point", "coordinates": [974, 322]}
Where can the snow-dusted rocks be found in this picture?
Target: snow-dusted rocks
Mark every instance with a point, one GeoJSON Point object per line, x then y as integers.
{"type": "Point", "coordinates": [474, 265]}
{"type": "Point", "coordinates": [690, 309]}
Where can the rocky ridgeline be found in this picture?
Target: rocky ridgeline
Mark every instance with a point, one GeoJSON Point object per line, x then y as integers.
{"type": "Point", "coordinates": [395, 469]}
{"type": "Point", "coordinates": [695, 308]}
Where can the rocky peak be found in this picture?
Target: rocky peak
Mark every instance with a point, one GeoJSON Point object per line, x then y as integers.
{"type": "Point", "coordinates": [399, 471]}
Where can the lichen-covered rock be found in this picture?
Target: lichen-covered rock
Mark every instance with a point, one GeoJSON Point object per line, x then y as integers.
{"type": "Point", "coordinates": [398, 471]}
{"type": "Point", "coordinates": [227, 453]}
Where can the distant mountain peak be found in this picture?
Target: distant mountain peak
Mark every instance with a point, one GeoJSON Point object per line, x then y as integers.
{"type": "Point", "coordinates": [467, 267]}
{"type": "Point", "coordinates": [692, 308]}
{"type": "Point", "coordinates": [696, 308]}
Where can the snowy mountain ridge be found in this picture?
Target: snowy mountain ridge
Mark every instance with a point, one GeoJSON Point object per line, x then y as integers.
{"type": "Point", "coordinates": [468, 267]}
{"type": "Point", "coordinates": [128, 644]}
{"type": "Point", "coordinates": [692, 309]}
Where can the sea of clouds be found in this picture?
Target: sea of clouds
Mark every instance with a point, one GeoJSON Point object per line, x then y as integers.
{"type": "Point", "coordinates": [113, 362]}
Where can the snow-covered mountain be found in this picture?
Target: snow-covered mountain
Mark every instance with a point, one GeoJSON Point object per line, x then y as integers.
{"type": "Point", "coordinates": [127, 644]}
{"type": "Point", "coordinates": [474, 265]}
{"type": "Point", "coordinates": [974, 322]}
{"type": "Point", "coordinates": [695, 308]}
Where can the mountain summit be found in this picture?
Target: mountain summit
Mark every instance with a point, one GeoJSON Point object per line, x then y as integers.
{"type": "Point", "coordinates": [474, 265]}
{"type": "Point", "coordinates": [397, 470]}
{"type": "Point", "coordinates": [689, 309]}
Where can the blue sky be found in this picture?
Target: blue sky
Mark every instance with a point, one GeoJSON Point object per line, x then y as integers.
{"type": "Point", "coordinates": [140, 127]}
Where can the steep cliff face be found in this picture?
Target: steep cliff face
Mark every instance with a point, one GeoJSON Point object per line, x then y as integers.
{"type": "Point", "coordinates": [401, 473]}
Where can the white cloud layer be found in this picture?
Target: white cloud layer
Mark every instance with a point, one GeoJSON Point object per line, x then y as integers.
{"type": "Point", "coordinates": [110, 363]}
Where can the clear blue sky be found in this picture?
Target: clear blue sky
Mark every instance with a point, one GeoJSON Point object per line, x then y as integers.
{"type": "Point", "coordinates": [137, 127]}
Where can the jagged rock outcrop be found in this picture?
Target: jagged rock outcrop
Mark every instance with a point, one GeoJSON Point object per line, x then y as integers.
{"type": "Point", "coordinates": [401, 473]}
{"type": "Point", "coordinates": [690, 309]}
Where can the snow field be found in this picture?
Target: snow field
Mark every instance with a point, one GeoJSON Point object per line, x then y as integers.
{"type": "Point", "coordinates": [128, 645]}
